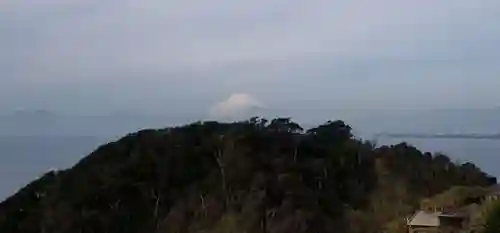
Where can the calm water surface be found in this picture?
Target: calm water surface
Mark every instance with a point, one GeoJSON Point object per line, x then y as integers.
{"type": "Point", "coordinates": [24, 158]}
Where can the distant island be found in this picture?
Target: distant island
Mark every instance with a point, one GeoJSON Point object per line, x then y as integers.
{"type": "Point", "coordinates": [448, 136]}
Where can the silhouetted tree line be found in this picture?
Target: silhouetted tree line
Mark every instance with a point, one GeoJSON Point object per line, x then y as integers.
{"type": "Point", "coordinates": [262, 176]}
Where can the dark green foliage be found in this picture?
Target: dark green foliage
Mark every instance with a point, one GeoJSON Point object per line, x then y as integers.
{"type": "Point", "coordinates": [256, 176]}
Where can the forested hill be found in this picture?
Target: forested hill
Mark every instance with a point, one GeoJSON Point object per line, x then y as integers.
{"type": "Point", "coordinates": [254, 176]}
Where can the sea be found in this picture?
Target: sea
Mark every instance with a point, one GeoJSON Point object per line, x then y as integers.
{"type": "Point", "coordinates": [25, 157]}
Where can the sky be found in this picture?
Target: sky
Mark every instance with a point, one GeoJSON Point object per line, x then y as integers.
{"type": "Point", "coordinates": [221, 57]}
{"type": "Point", "coordinates": [230, 59]}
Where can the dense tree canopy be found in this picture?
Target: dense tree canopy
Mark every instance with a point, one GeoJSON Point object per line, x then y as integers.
{"type": "Point", "coordinates": [257, 176]}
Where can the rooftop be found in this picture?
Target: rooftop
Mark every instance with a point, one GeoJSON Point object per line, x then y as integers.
{"type": "Point", "coordinates": [431, 219]}
{"type": "Point", "coordinates": [423, 218]}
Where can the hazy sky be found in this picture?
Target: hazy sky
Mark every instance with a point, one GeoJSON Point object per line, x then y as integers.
{"type": "Point", "coordinates": [185, 56]}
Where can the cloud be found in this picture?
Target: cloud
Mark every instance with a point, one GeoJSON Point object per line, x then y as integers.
{"type": "Point", "coordinates": [101, 54]}
{"type": "Point", "coordinates": [235, 107]}
{"type": "Point", "coordinates": [106, 36]}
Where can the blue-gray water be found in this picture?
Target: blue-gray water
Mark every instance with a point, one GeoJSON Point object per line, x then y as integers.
{"type": "Point", "coordinates": [24, 158]}
{"type": "Point", "coordinates": [57, 144]}
{"type": "Point", "coordinates": [482, 152]}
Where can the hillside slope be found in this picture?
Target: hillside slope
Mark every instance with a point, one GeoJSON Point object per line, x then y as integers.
{"type": "Point", "coordinates": [252, 176]}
